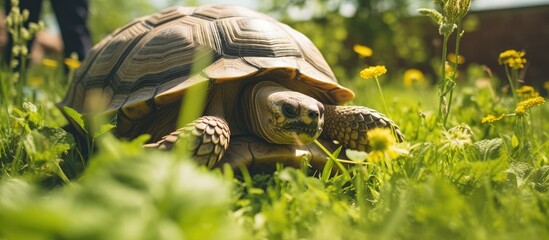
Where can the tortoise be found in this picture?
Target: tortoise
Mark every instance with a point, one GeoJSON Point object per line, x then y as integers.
{"type": "Point", "coordinates": [270, 92]}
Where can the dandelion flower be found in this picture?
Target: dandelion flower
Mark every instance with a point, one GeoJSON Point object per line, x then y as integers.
{"type": "Point", "coordinates": [527, 104]}
{"type": "Point", "coordinates": [520, 110]}
{"type": "Point", "coordinates": [413, 76]}
{"type": "Point", "coordinates": [546, 85]}
{"type": "Point", "coordinates": [382, 143]}
{"type": "Point", "coordinates": [373, 72]}
{"type": "Point", "coordinates": [72, 63]}
{"type": "Point", "coordinates": [491, 118]}
{"type": "Point", "coordinates": [49, 63]}
{"type": "Point", "coordinates": [527, 92]}
{"type": "Point", "coordinates": [452, 57]}
{"type": "Point", "coordinates": [363, 51]}
{"type": "Point", "coordinates": [512, 58]}
{"type": "Point", "coordinates": [380, 139]}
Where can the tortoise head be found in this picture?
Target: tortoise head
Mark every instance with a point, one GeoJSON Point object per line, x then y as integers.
{"type": "Point", "coordinates": [283, 116]}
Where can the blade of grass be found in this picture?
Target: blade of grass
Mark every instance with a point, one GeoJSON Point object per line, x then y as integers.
{"type": "Point", "coordinates": [334, 159]}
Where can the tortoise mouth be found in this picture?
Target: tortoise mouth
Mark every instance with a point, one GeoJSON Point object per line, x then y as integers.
{"type": "Point", "coordinates": [312, 130]}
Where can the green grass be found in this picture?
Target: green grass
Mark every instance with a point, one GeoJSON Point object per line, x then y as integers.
{"type": "Point", "coordinates": [468, 180]}
{"type": "Point", "coordinates": [454, 183]}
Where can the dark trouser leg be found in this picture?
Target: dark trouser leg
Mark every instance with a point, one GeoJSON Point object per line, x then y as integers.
{"type": "Point", "coordinates": [72, 16]}
{"type": "Point", "coordinates": [34, 7]}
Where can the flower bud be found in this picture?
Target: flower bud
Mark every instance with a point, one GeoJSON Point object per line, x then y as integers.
{"type": "Point", "coordinates": [14, 63]}
{"type": "Point", "coordinates": [447, 28]}
{"type": "Point", "coordinates": [9, 21]}
{"type": "Point", "coordinates": [25, 35]}
{"type": "Point", "coordinates": [432, 13]}
{"type": "Point", "coordinates": [25, 14]}
{"type": "Point", "coordinates": [15, 50]}
{"type": "Point", "coordinates": [15, 14]}
{"type": "Point", "coordinates": [451, 10]}
{"type": "Point", "coordinates": [464, 6]}
{"type": "Point", "coordinates": [36, 27]}
{"type": "Point", "coordinates": [24, 51]}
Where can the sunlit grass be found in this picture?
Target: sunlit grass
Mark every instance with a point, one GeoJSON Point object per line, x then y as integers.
{"type": "Point", "coordinates": [485, 175]}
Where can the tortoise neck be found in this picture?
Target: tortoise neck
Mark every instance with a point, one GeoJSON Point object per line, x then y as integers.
{"type": "Point", "coordinates": [253, 105]}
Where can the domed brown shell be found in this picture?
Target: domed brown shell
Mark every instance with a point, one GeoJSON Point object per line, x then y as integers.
{"type": "Point", "coordinates": [148, 64]}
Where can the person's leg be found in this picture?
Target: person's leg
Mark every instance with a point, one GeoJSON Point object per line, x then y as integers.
{"type": "Point", "coordinates": [34, 7]}
{"type": "Point", "coordinates": [72, 16]}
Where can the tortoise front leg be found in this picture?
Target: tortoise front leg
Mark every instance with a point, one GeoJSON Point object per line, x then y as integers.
{"type": "Point", "coordinates": [209, 139]}
{"type": "Point", "coordinates": [349, 124]}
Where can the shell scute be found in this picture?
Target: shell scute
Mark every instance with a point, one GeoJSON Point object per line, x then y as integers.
{"type": "Point", "coordinates": [150, 63]}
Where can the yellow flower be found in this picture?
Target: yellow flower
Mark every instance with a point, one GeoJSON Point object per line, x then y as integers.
{"type": "Point", "coordinates": [527, 104]}
{"type": "Point", "coordinates": [512, 58]}
{"type": "Point", "coordinates": [413, 76]}
{"type": "Point", "coordinates": [72, 63]}
{"type": "Point", "coordinates": [382, 143]}
{"type": "Point", "coordinates": [373, 72]}
{"type": "Point", "coordinates": [363, 51]}
{"type": "Point", "coordinates": [36, 81]}
{"type": "Point", "coordinates": [546, 85]}
{"type": "Point", "coordinates": [520, 110]}
{"type": "Point", "coordinates": [527, 92]}
{"type": "Point", "coordinates": [491, 118]}
{"type": "Point", "coordinates": [452, 58]}
{"type": "Point", "coordinates": [49, 63]}
{"type": "Point", "coordinates": [380, 139]}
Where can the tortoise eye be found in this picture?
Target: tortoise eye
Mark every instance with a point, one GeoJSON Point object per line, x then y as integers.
{"type": "Point", "coordinates": [289, 110]}
{"type": "Point", "coordinates": [320, 110]}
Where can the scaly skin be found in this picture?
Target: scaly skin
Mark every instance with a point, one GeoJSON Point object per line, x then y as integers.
{"type": "Point", "coordinates": [209, 135]}
{"type": "Point", "coordinates": [274, 133]}
{"type": "Point", "coordinates": [349, 124]}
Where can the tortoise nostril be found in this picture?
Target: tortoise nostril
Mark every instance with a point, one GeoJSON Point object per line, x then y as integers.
{"type": "Point", "coordinates": [313, 114]}
{"type": "Point", "coordinates": [289, 110]}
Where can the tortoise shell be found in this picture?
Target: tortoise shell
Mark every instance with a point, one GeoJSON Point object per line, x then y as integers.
{"type": "Point", "coordinates": [148, 64]}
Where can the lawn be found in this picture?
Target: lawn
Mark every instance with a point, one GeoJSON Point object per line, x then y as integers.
{"type": "Point", "coordinates": [474, 165]}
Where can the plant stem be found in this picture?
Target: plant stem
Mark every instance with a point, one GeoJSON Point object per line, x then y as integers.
{"type": "Point", "coordinates": [511, 83]}
{"type": "Point", "coordinates": [385, 106]}
{"type": "Point", "coordinates": [5, 104]}
{"type": "Point", "coordinates": [443, 77]}
{"type": "Point", "coordinates": [382, 98]}
{"type": "Point", "coordinates": [454, 75]}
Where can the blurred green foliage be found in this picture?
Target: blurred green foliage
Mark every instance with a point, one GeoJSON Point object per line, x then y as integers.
{"type": "Point", "coordinates": [124, 194]}
{"type": "Point", "coordinates": [107, 15]}
{"type": "Point", "coordinates": [335, 26]}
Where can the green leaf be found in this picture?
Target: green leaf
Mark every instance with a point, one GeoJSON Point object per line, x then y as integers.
{"type": "Point", "coordinates": [32, 114]}
{"type": "Point", "coordinates": [540, 178]}
{"type": "Point", "coordinates": [46, 144]}
{"type": "Point", "coordinates": [515, 141]}
{"type": "Point", "coordinates": [102, 130]}
{"type": "Point", "coordinates": [76, 117]}
{"type": "Point", "coordinates": [489, 149]}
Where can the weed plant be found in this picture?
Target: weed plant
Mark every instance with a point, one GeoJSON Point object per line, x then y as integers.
{"type": "Point", "coordinates": [482, 174]}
